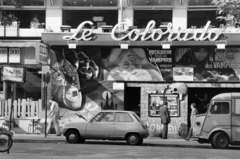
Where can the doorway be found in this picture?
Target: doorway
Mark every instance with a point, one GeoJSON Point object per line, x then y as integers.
{"type": "Point", "coordinates": [132, 99]}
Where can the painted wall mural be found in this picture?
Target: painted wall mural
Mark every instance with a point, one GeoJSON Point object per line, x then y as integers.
{"type": "Point", "coordinates": [76, 84]}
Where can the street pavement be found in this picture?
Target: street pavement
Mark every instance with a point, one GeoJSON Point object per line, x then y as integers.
{"type": "Point", "coordinates": [150, 141]}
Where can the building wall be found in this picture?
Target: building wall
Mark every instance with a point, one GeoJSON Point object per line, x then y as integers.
{"type": "Point", "coordinates": [154, 123]}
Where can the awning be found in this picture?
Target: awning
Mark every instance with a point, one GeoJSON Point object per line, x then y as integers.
{"type": "Point", "coordinates": [32, 83]}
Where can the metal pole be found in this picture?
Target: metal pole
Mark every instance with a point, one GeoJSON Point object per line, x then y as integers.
{"type": "Point", "coordinates": [10, 117]}
{"type": "Point", "coordinates": [45, 102]}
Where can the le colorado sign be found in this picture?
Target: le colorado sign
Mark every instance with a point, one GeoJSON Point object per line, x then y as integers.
{"type": "Point", "coordinates": [120, 32]}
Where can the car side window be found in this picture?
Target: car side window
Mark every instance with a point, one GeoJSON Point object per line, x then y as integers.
{"type": "Point", "coordinates": [123, 117]}
{"type": "Point", "coordinates": [107, 117]}
{"type": "Point", "coordinates": [97, 117]}
{"type": "Point", "coordinates": [220, 108]}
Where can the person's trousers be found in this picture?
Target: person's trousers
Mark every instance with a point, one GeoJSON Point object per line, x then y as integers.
{"type": "Point", "coordinates": [165, 131]}
{"type": "Point", "coordinates": [56, 123]}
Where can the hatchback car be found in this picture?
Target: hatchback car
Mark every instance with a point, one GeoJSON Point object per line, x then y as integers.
{"type": "Point", "coordinates": [109, 125]}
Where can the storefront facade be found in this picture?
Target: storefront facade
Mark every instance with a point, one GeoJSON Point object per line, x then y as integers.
{"type": "Point", "coordinates": [139, 77]}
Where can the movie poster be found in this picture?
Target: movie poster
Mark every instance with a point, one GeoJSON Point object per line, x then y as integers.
{"type": "Point", "coordinates": [137, 64]}
{"type": "Point", "coordinates": [77, 86]}
{"type": "Point", "coordinates": [210, 64]}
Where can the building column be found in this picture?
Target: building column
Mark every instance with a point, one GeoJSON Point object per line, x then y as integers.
{"type": "Point", "coordinates": [54, 16]}
{"type": "Point", "coordinates": [126, 12]}
{"type": "Point", "coordinates": [179, 14]}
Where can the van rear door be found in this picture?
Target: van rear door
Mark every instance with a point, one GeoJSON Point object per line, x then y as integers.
{"type": "Point", "coordinates": [236, 120]}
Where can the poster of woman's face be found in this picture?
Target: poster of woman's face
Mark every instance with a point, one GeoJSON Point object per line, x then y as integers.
{"type": "Point", "coordinates": [137, 64]}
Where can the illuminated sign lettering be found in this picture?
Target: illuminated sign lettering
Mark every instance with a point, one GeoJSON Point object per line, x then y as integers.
{"type": "Point", "coordinates": [149, 33]}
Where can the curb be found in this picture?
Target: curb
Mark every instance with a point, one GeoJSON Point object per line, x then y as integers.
{"type": "Point", "coordinates": [92, 141]}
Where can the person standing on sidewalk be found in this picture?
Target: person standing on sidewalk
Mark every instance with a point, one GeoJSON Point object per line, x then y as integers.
{"type": "Point", "coordinates": [165, 119]}
{"type": "Point", "coordinates": [54, 112]}
{"type": "Point", "coordinates": [194, 112]}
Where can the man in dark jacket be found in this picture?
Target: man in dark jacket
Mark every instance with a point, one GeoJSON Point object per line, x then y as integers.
{"type": "Point", "coordinates": [165, 119]}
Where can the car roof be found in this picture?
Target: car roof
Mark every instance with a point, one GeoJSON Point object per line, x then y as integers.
{"type": "Point", "coordinates": [117, 111]}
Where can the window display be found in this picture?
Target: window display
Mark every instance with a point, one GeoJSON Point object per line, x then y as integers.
{"type": "Point", "coordinates": [156, 101]}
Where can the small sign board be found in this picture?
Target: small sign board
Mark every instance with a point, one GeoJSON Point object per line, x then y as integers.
{"type": "Point", "coordinates": [13, 74]}
{"type": "Point", "coordinates": [14, 55]}
{"type": "Point", "coordinates": [42, 54]}
{"type": "Point", "coordinates": [183, 73]}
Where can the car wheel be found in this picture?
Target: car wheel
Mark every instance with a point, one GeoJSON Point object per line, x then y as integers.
{"type": "Point", "coordinates": [72, 137]}
{"type": "Point", "coordinates": [220, 141]}
{"type": "Point", "coordinates": [134, 139]}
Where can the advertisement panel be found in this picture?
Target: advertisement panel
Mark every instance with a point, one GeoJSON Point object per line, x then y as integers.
{"type": "Point", "coordinates": [210, 64]}
{"type": "Point", "coordinates": [13, 74]}
{"type": "Point", "coordinates": [137, 64]}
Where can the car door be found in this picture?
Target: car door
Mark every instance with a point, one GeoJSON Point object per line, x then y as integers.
{"type": "Point", "coordinates": [101, 126]}
{"type": "Point", "coordinates": [123, 124]}
{"type": "Point", "coordinates": [218, 116]}
{"type": "Point", "coordinates": [236, 121]}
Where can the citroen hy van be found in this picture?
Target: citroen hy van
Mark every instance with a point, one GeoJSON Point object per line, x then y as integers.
{"type": "Point", "coordinates": [220, 126]}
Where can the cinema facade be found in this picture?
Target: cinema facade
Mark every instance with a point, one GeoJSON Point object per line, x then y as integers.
{"type": "Point", "coordinates": [136, 69]}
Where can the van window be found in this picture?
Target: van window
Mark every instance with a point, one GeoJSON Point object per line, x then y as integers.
{"type": "Point", "coordinates": [220, 108]}
{"type": "Point", "coordinates": [237, 106]}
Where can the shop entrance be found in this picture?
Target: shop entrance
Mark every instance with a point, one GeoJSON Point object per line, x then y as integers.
{"type": "Point", "coordinates": [202, 96]}
{"type": "Point", "coordinates": [132, 99]}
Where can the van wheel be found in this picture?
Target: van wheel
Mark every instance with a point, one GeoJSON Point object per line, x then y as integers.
{"type": "Point", "coordinates": [220, 141]}
{"type": "Point", "coordinates": [73, 137]}
{"type": "Point", "coordinates": [134, 139]}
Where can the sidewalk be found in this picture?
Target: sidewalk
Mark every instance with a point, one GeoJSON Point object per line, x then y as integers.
{"type": "Point", "coordinates": [150, 141]}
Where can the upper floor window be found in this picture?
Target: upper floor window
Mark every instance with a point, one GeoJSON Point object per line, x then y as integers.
{"type": "Point", "coordinates": [152, 2]}
{"type": "Point", "coordinates": [199, 2]}
{"type": "Point", "coordinates": [24, 2]}
{"type": "Point", "coordinates": [92, 3]}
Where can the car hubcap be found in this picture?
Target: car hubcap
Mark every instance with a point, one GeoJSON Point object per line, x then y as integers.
{"type": "Point", "coordinates": [222, 141]}
{"type": "Point", "coordinates": [133, 139]}
{"type": "Point", "coordinates": [72, 137]}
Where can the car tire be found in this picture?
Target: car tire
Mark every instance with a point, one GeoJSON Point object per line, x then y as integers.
{"type": "Point", "coordinates": [220, 141]}
{"type": "Point", "coordinates": [134, 139]}
{"type": "Point", "coordinates": [73, 136]}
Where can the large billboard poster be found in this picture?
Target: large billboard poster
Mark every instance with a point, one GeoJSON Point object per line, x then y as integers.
{"type": "Point", "coordinates": [176, 64]}
{"type": "Point", "coordinates": [137, 64]}
{"type": "Point", "coordinates": [210, 64]}
{"type": "Point", "coordinates": [76, 83]}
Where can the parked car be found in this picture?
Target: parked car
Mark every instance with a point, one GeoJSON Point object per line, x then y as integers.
{"type": "Point", "coordinates": [109, 125]}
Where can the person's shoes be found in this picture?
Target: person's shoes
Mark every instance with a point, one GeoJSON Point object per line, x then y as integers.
{"type": "Point", "coordinates": [58, 135]}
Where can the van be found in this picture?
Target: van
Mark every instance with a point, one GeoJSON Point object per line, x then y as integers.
{"type": "Point", "coordinates": [220, 125]}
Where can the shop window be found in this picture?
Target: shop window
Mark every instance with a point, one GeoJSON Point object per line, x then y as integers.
{"type": "Point", "coordinates": [156, 102]}
{"type": "Point", "coordinates": [104, 17]}
{"type": "Point", "coordinates": [220, 108]}
{"type": "Point", "coordinates": [152, 3]}
{"type": "Point", "coordinates": [91, 3]}
{"type": "Point", "coordinates": [199, 2]}
{"type": "Point", "coordinates": [25, 17]}
{"type": "Point", "coordinates": [142, 17]}
{"type": "Point", "coordinates": [199, 19]}
{"type": "Point", "coordinates": [25, 2]}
